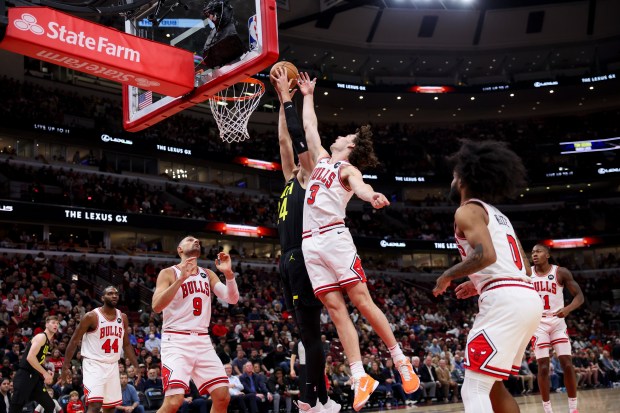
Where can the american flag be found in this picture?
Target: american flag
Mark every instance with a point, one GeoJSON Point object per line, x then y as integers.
{"type": "Point", "coordinates": [145, 99]}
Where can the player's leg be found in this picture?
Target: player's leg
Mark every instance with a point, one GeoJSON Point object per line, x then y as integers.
{"type": "Point", "coordinates": [221, 398]}
{"type": "Point", "coordinates": [172, 402]}
{"type": "Point", "coordinates": [177, 364]}
{"type": "Point", "coordinates": [570, 379]}
{"type": "Point", "coordinates": [110, 377]}
{"type": "Point", "coordinates": [24, 386]}
{"type": "Point", "coordinates": [476, 392]}
{"type": "Point", "coordinates": [93, 385]}
{"type": "Point", "coordinates": [501, 400]}
{"type": "Point", "coordinates": [94, 407]}
{"type": "Point", "coordinates": [544, 382]}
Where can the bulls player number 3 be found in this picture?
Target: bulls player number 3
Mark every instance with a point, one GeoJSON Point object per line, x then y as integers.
{"type": "Point", "coordinates": [110, 346]}
{"type": "Point", "coordinates": [514, 249]}
{"type": "Point", "coordinates": [313, 190]}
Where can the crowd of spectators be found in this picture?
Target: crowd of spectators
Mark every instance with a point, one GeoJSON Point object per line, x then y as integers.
{"type": "Point", "coordinates": [258, 335]}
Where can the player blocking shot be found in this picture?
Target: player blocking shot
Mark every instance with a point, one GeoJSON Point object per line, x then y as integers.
{"type": "Point", "coordinates": [103, 335]}
{"type": "Point", "coordinates": [184, 293]}
{"type": "Point", "coordinates": [549, 280]}
{"type": "Point", "coordinates": [31, 378]}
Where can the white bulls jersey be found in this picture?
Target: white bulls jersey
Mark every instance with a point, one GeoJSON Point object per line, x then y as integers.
{"type": "Point", "coordinates": [105, 343]}
{"type": "Point", "coordinates": [550, 291]}
{"type": "Point", "coordinates": [509, 263]}
{"type": "Point", "coordinates": [190, 309]}
{"type": "Point", "coordinates": [326, 195]}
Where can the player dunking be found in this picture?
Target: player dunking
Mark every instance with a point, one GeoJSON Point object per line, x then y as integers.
{"type": "Point", "coordinates": [550, 280]}
{"type": "Point", "coordinates": [509, 307]}
{"type": "Point", "coordinates": [331, 256]}
{"type": "Point", "coordinates": [103, 335]}
{"type": "Point", "coordinates": [30, 379]}
{"type": "Point", "coordinates": [184, 293]}
{"type": "Point", "coordinates": [298, 293]}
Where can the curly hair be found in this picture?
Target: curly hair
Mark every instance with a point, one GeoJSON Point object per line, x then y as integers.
{"type": "Point", "coordinates": [489, 169]}
{"type": "Point", "coordinates": [363, 154]}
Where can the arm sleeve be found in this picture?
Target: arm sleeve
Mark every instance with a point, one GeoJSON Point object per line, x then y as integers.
{"type": "Point", "coordinates": [295, 129]}
{"type": "Point", "coordinates": [227, 292]}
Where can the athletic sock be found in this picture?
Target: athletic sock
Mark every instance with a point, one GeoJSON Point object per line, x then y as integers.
{"type": "Point", "coordinates": [357, 369]}
{"type": "Point", "coordinates": [572, 404]}
{"type": "Point", "coordinates": [547, 407]}
{"type": "Point", "coordinates": [397, 353]}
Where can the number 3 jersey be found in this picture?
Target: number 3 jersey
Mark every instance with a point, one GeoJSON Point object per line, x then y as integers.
{"type": "Point", "coordinates": [326, 195]}
{"type": "Point", "coordinates": [509, 263]}
{"type": "Point", "coordinates": [105, 343]}
{"type": "Point", "coordinates": [190, 309]}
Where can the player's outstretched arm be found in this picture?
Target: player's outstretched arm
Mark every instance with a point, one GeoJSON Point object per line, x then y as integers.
{"type": "Point", "coordinates": [88, 322]}
{"type": "Point", "coordinates": [365, 192]}
{"type": "Point", "coordinates": [167, 286]}
{"type": "Point", "coordinates": [311, 123]}
{"type": "Point", "coordinates": [228, 292]}
{"type": "Point", "coordinates": [471, 220]}
{"type": "Point", "coordinates": [281, 84]}
{"type": "Point", "coordinates": [128, 349]}
{"type": "Point", "coordinates": [565, 277]}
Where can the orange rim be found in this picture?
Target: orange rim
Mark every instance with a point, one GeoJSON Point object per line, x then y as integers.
{"type": "Point", "coordinates": [250, 80]}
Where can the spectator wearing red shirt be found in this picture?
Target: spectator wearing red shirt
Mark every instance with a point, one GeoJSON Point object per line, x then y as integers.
{"type": "Point", "coordinates": [57, 359]}
{"type": "Point", "coordinates": [75, 405]}
{"type": "Point", "coordinates": [219, 329]}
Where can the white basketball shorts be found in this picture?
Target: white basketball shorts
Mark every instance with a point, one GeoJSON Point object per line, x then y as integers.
{"type": "Point", "coordinates": [551, 332]}
{"type": "Point", "coordinates": [102, 383]}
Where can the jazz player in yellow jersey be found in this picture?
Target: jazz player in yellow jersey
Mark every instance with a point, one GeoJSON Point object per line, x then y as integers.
{"type": "Point", "coordinates": [550, 280]}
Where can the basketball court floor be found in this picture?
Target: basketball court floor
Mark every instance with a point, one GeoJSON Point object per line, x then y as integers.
{"type": "Point", "coordinates": [590, 401]}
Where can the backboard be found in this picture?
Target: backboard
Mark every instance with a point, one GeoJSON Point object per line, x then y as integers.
{"type": "Point", "coordinates": [221, 56]}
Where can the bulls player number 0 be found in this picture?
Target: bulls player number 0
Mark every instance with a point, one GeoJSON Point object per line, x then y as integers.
{"type": "Point", "coordinates": [110, 346]}
{"type": "Point", "coordinates": [516, 254]}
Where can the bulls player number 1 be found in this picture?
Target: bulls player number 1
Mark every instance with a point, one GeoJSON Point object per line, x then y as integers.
{"type": "Point", "coordinates": [516, 254]}
{"type": "Point", "coordinates": [546, 301]}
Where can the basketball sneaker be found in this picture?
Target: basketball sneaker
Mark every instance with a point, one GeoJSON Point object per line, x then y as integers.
{"type": "Point", "coordinates": [306, 408]}
{"type": "Point", "coordinates": [331, 406]}
{"type": "Point", "coordinates": [411, 381]}
{"type": "Point", "coordinates": [363, 388]}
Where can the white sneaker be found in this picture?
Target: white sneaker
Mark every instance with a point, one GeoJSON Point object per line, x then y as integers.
{"type": "Point", "coordinates": [330, 406]}
{"type": "Point", "coordinates": [306, 408]}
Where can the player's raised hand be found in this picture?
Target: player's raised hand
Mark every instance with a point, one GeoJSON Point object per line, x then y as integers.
{"type": "Point", "coordinates": [223, 263]}
{"type": "Point", "coordinates": [465, 290]}
{"type": "Point", "coordinates": [282, 84]}
{"type": "Point", "coordinates": [306, 85]}
{"type": "Point", "coordinates": [379, 201]}
{"type": "Point", "coordinates": [188, 267]}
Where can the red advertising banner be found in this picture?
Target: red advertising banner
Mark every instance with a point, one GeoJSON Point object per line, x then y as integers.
{"type": "Point", "coordinates": [65, 40]}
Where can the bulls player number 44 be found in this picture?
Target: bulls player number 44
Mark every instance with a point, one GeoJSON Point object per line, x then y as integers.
{"type": "Point", "coordinates": [110, 346]}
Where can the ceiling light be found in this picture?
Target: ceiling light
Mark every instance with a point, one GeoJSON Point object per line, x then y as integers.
{"type": "Point", "coordinates": [361, 97]}
{"type": "Point", "coordinates": [512, 95]}
{"type": "Point", "coordinates": [472, 98]}
{"type": "Point", "coordinates": [436, 98]}
{"type": "Point", "coordinates": [551, 91]}
{"type": "Point", "coordinates": [326, 93]}
{"type": "Point", "coordinates": [591, 87]}
{"type": "Point", "coordinates": [398, 98]}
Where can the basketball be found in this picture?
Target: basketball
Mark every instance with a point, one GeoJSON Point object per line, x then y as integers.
{"type": "Point", "coordinates": [291, 71]}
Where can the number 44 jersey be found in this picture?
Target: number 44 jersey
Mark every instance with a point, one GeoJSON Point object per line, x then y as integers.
{"type": "Point", "coordinates": [509, 263]}
{"type": "Point", "coordinates": [105, 342]}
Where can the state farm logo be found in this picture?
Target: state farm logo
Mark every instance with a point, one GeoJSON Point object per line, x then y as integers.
{"type": "Point", "coordinates": [29, 22]}
{"type": "Point", "coordinates": [145, 83]}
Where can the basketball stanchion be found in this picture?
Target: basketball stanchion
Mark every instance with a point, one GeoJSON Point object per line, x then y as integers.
{"type": "Point", "coordinates": [233, 106]}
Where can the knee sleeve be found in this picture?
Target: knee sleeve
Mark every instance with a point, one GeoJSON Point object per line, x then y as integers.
{"type": "Point", "coordinates": [476, 392]}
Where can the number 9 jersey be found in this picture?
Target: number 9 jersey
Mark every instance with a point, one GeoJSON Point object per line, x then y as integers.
{"type": "Point", "coordinates": [509, 263]}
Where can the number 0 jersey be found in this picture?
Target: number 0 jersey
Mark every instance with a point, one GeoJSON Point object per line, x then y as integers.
{"type": "Point", "coordinates": [291, 215]}
{"type": "Point", "coordinates": [326, 196]}
{"type": "Point", "coordinates": [550, 291]}
{"type": "Point", "coordinates": [509, 263]}
{"type": "Point", "coordinates": [190, 309]}
{"type": "Point", "coordinates": [105, 343]}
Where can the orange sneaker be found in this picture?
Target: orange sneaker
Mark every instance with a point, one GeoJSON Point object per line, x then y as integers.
{"type": "Point", "coordinates": [363, 388]}
{"type": "Point", "coordinates": [411, 381]}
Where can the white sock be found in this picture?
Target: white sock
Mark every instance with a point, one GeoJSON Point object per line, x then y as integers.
{"type": "Point", "coordinates": [357, 369]}
{"type": "Point", "coordinates": [572, 404]}
{"type": "Point", "coordinates": [476, 392]}
{"type": "Point", "coordinates": [547, 407]}
{"type": "Point", "coordinates": [397, 353]}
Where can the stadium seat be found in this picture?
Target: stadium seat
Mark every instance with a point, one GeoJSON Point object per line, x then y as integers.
{"type": "Point", "coordinates": [154, 398]}
{"type": "Point", "coordinates": [63, 401]}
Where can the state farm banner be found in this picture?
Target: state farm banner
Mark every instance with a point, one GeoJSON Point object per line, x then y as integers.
{"type": "Point", "coordinates": [65, 40]}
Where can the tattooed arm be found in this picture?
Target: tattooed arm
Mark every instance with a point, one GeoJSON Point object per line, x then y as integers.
{"type": "Point", "coordinates": [472, 220]}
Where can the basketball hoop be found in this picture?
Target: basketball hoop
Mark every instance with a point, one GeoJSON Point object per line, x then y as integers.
{"type": "Point", "coordinates": [233, 106]}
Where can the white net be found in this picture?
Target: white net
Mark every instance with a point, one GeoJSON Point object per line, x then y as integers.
{"type": "Point", "coordinates": [233, 106]}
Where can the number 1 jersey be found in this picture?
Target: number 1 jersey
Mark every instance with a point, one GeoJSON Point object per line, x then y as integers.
{"type": "Point", "coordinates": [509, 263]}
{"type": "Point", "coordinates": [105, 342]}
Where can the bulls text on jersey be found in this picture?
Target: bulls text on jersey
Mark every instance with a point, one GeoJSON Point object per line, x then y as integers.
{"type": "Point", "coordinates": [546, 286]}
{"type": "Point", "coordinates": [111, 331]}
{"type": "Point", "coordinates": [324, 175]}
{"type": "Point", "coordinates": [195, 287]}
